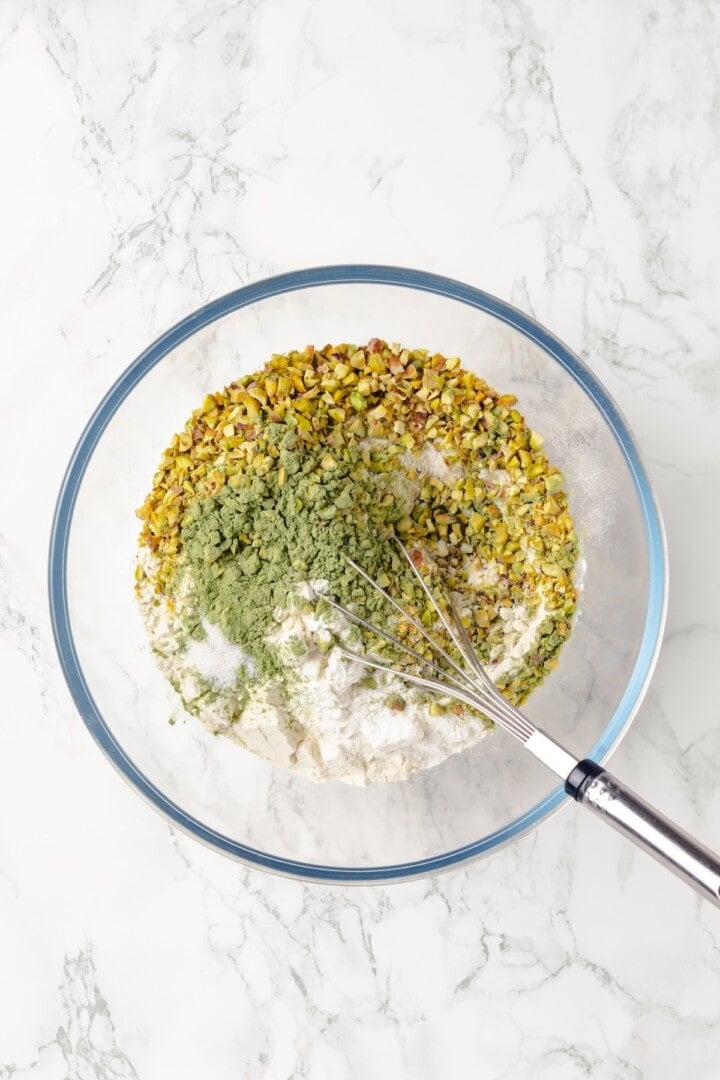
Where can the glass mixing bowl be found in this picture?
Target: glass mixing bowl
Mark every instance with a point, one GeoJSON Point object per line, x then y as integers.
{"type": "Point", "coordinates": [263, 814]}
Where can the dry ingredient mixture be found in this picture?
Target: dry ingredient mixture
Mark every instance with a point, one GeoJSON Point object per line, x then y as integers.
{"type": "Point", "coordinates": [328, 453]}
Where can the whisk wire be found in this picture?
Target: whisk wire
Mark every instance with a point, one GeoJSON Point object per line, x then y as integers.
{"type": "Point", "coordinates": [459, 636]}
{"type": "Point", "coordinates": [413, 621]}
{"type": "Point", "coordinates": [497, 701]}
{"type": "Point", "coordinates": [394, 641]}
{"type": "Point", "coordinates": [470, 684]}
{"type": "Point", "coordinates": [466, 696]}
{"type": "Point", "coordinates": [426, 589]}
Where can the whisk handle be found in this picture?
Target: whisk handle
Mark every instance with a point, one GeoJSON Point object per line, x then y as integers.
{"type": "Point", "coordinates": [590, 785]}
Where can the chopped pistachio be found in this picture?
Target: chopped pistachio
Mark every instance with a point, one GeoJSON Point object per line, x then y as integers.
{"type": "Point", "coordinates": [297, 431]}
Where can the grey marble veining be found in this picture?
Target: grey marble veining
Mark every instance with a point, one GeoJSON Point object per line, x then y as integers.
{"type": "Point", "coordinates": [562, 157]}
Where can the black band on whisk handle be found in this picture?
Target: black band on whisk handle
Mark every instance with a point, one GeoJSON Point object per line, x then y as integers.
{"type": "Point", "coordinates": [591, 786]}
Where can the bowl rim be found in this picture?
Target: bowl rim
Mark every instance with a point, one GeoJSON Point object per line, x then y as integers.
{"type": "Point", "coordinates": [313, 277]}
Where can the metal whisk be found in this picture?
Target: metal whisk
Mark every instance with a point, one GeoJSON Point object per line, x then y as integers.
{"type": "Point", "coordinates": [586, 781]}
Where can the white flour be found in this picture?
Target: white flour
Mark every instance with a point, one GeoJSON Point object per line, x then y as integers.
{"type": "Point", "coordinates": [429, 462]}
{"type": "Point", "coordinates": [331, 725]}
{"type": "Point", "coordinates": [519, 635]}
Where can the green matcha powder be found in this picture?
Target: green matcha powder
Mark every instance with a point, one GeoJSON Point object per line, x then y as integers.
{"type": "Point", "coordinates": [248, 547]}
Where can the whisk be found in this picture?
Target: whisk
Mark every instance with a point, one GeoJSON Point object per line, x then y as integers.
{"type": "Point", "coordinates": [586, 781]}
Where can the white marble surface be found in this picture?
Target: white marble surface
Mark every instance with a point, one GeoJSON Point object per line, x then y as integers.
{"type": "Point", "coordinates": [565, 157]}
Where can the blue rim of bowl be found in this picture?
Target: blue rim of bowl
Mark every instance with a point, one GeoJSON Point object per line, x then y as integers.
{"type": "Point", "coordinates": [262, 290]}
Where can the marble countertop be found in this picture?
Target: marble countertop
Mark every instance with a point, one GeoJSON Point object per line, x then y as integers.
{"type": "Point", "coordinates": [564, 157]}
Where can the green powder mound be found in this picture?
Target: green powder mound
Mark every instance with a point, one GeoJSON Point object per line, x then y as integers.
{"type": "Point", "coordinates": [250, 545]}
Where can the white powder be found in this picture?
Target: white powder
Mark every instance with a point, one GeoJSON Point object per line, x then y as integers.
{"type": "Point", "coordinates": [330, 727]}
{"type": "Point", "coordinates": [520, 633]}
{"type": "Point", "coordinates": [429, 462]}
{"type": "Point", "coordinates": [481, 573]}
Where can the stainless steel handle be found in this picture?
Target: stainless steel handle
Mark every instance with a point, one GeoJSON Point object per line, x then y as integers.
{"type": "Point", "coordinates": [650, 830]}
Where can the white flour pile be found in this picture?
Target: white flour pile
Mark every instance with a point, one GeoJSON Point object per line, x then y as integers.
{"type": "Point", "coordinates": [335, 725]}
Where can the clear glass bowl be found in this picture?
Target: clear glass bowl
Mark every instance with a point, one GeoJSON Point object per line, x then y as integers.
{"type": "Point", "coordinates": [241, 805]}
